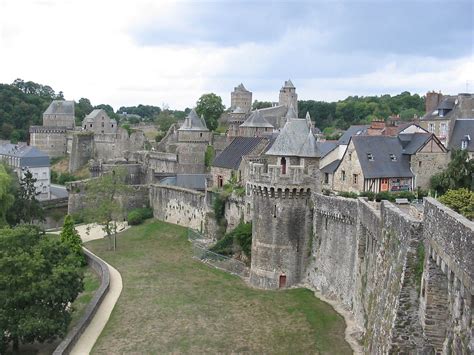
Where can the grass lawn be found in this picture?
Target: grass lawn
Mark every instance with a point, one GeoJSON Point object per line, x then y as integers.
{"type": "Point", "coordinates": [172, 303]}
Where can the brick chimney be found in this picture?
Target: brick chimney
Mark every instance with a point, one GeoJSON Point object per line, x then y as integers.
{"type": "Point", "coordinates": [432, 99]}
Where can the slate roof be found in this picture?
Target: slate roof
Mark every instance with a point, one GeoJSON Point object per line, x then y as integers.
{"type": "Point", "coordinates": [188, 181]}
{"type": "Point", "coordinates": [291, 113]}
{"type": "Point", "coordinates": [256, 119]}
{"type": "Point", "coordinates": [231, 156]}
{"type": "Point", "coordinates": [295, 139]}
{"type": "Point", "coordinates": [462, 129]}
{"type": "Point", "coordinates": [411, 142]}
{"type": "Point", "coordinates": [447, 103]}
{"type": "Point", "coordinates": [381, 148]}
{"type": "Point", "coordinates": [29, 156]}
{"type": "Point", "coordinates": [352, 131]}
{"type": "Point", "coordinates": [288, 84]}
{"type": "Point", "coordinates": [326, 146]}
{"type": "Point", "coordinates": [193, 122]}
{"type": "Point", "coordinates": [241, 87]}
{"type": "Point", "coordinates": [331, 167]}
{"type": "Point", "coordinates": [60, 107]}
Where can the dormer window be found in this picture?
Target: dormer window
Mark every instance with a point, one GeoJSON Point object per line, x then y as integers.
{"type": "Point", "coordinates": [463, 144]}
{"type": "Point", "coordinates": [370, 157]}
{"type": "Point", "coordinates": [393, 157]}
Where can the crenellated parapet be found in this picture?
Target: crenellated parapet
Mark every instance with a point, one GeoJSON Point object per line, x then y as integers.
{"type": "Point", "coordinates": [289, 178]}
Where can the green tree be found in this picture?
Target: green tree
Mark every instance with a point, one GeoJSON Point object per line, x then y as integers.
{"type": "Point", "coordinates": [165, 120]}
{"type": "Point", "coordinates": [461, 201]}
{"type": "Point", "coordinates": [26, 208]}
{"type": "Point", "coordinates": [243, 237]}
{"type": "Point", "coordinates": [210, 106]}
{"type": "Point", "coordinates": [39, 279]}
{"type": "Point", "coordinates": [458, 174]}
{"type": "Point", "coordinates": [261, 104]}
{"type": "Point", "coordinates": [209, 156]}
{"type": "Point", "coordinates": [71, 238]}
{"type": "Point", "coordinates": [7, 199]}
{"type": "Point", "coordinates": [82, 109]}
{"type": "Point", "coordinates": [102, 201]}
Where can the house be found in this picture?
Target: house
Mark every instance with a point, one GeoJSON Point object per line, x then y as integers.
{"type": "Point", "coordinates": [386, 163]}
{"type": "Point", "coordinates": [27, 158]}
{"type": "Point", "coordinates": [440, 118]}
{"type": "Point", "coordinates": [229, 163]}
{"type": "Point", "coordinates": [462, 136]}
{"type": "Point", "coordinates": [99, 122]}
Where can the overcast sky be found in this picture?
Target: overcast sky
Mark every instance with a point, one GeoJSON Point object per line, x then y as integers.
{"type": "Point", "coordinates": [170, 52]}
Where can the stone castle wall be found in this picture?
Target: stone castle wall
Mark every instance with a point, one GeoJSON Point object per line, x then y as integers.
{"type": "Point", "coordinates": [369, 258]}
{"type": "Point", "coordinates": [177, 205]}
{"type": "Point", "coordinates": [50, 140]}
{"type": "Point", "coordinates": [82, 150]}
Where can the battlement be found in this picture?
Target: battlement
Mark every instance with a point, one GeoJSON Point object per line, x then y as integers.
{"type": "Point", "coordinates": [46, 129]}
{"type": "Point", "coordinates": [269, 174]}
{"type": "Point", "coordinates": [271, 192]}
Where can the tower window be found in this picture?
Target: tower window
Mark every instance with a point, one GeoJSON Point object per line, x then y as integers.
{"type": "Point", "coordinates": [274, 211]}
{"type": "Point", "coordinates": [354, 178]}
{"type": "Point", "coordinates": [343, 175]}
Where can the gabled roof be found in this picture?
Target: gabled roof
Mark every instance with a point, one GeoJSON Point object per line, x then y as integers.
{"type": "Point", "coordinates": [188, 181]}
{"type": "Point", "coordinates": [331, 167]}
{"type": "Point", "coordinates": [29, 156]}
{"type": "Point", "coordinates": [353, 131]}
{"type": "Point", "coordinates": [463, 130]}
{"type": "Point", "coordinates": [231, 156]}
{"type": "Point", "coordinates": [60, 107]}
{"type": "Point", "coordinates": [412, 142]}
{"type": "Point", "coordinates": [381, 149]}
{"type": "Point", "coordinates": [295, 139]}
{"type": "Point", "coordinates": [256, 119]}
{"type": "Point", "coordinates": [193, 122]}
{"type": "Point", "coordinates": [447, 103]}
{"type": "Point", "coordinates": [325, 147]}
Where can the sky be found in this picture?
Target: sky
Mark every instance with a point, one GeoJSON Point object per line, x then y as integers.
{"type": "Point", "coordinates": [169, 53]}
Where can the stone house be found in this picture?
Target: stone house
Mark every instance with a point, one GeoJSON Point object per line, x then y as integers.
{"type": "Point", "coordinates": [27, 158]}
{"type": "Point", "coordinates": [382, 163]}
{"type": "Point", "coordinates": [230, 163]}
{"type": "Point", "coordinates": [462, 136]}
{"type": "Point", "coordinates": [98, 121]}
{"type": "Point", "coordinates": [440, 118]}
{"type": "Point", "coordinates": [60, 113]}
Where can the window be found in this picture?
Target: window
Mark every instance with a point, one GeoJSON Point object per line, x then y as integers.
{"type": "Point", "coordinates": [419, 164]}
{"type": "Point", "coordinates": [463, 144]}
{"type": "Point", "coordinates": [200, 134]}
{"type": "Point", "coordinates": [112, 125]}
{"type": "Point", "coordinates": [283, 165]}
{"type": "Point", "coordinates": [354, 178]}
{"type": "Point", "coordinates": [350, 156]}
{"type": "Point", "coordinates": [326, 178]}
{"type": "Point", "coordinates": [220, 181]}
{"type": "Point", "coordinates": [44, 188]}
{"type": "Point", "coordinates": [91, 125]}
{"type": "Point", "coordinates": [343, 175]}
{"type": "Point", "coordinates": [370, 156]}
{"type": "Point", "coordinates": [431, 127]}
{"type": "Point", "coordinates": [274, 211]}
{"type": "Point", "coordinates": [85, 126]}
{"type": "Point", "coordinates": [443, 127]}
{"type": "Point", "coordinates": [393, 157]}
{"type": "Point", "coordinates": [103, 124]}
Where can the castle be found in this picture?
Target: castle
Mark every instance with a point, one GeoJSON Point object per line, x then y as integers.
{"type": "Point", "coordinates": [404, 273]}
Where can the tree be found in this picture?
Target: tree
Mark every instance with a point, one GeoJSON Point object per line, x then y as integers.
{"type": "Point", "coordinates": [82, 109]}
{"type": "Point", "coordinates": [458, 174]}
{"type": "Point", "coordinates": [71, 238]}
{"type": "Point", "coordinates": [102, 201]}
{"type": "Point", "coordinates": [165, 120]}
{"type": "Point", "coordinates": [461, 201]}
{"type": "Point", "coordinates": [40, 278]}
{"type": "Point", "coordinates": [7, 199]}
{"type": "Point", "coordinates": [210, 106]}
{"type": "Point", "coordinates": [26, 208]}
{"type": "Point", "coordinates": [261, 104]}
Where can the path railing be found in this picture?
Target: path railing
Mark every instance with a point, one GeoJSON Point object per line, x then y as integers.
{"type": "Point", "coordinates": [200, 251]}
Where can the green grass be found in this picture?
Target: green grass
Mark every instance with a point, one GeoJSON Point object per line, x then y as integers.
{"type": "Point", "coordinates": [172, 303]}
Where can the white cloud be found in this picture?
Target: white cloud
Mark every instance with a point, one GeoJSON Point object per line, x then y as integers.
{"type": "Point", "coordinates": [86, 49]}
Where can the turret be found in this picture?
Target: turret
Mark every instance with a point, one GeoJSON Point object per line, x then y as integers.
{"type": "Point", "coordinates": [288, 95]}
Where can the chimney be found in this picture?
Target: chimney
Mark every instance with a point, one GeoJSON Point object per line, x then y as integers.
{"type": "Point", "coordinates": [432, 99]}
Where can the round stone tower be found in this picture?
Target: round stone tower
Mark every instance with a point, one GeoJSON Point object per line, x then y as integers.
{"type": "Point", "coordinates": [281, 184]}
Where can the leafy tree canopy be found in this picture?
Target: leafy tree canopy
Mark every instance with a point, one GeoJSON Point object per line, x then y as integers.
{"type": "Point", "coordinates": [165, 120]}
{"type": "Point", "coordinates": [458, 174]}
{"type": "Point", "coordinates": [211, 107]}
{"type": "Point", "coordinates": [40, 278]}
{"type": "Point", "coordinates": [7, 198]}
{"type": "Point", "coordinates": [460, 200]}
{"type": "Point", "coordinates": [261, 104]}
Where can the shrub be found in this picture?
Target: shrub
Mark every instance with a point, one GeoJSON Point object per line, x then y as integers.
{"type": "Point", "coordinates": [461, 201]}
{"type": "Point", "coordinates": [224, 246]}
{"type": "Point", "coordinates": [369, 194]}
{"type": "Point", "coordinates": [243, 237]}
{"type": "Point", "coordinates": [138, 215]}
{"type": "Point", "coordinates": [385, 195]}
{"type": "Point", "coordinates": [348, 194]}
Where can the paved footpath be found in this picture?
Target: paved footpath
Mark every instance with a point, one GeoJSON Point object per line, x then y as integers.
{"type": "Point", "coordinates": [89, 337]}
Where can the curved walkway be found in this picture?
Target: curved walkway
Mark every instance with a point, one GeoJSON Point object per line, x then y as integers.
{"type": "Point", "coordinates": [89, 336]}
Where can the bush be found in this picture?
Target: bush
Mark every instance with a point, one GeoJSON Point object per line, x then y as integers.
{"type": "Point", "coordinates": [461, 201]}
{"type": "Point", "coordinates": [138, 215]}
{"type": "Point", "coordinates": [224, 246]}
{"type": "Point", "coordinates": [369, 194]}
{"type": "Point", "coordinates": [348, 194]}
{"type": "Point", "coordinates": [241, 236]}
